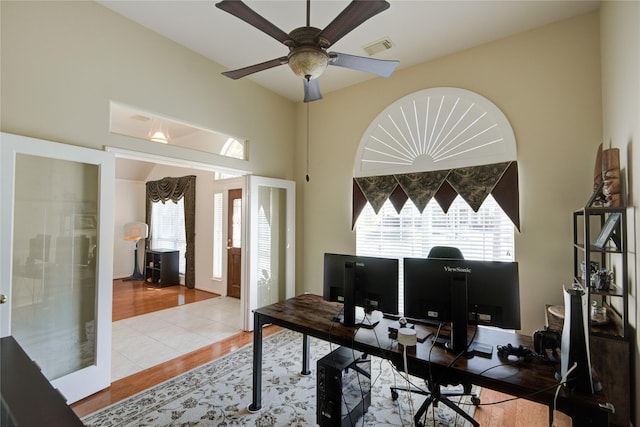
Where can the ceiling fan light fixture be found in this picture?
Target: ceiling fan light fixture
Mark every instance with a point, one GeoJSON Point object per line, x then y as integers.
{"type": "Point", "coordinates": [308, 63]}
{"type": "Point", "coordinates": [158, 136]}
{"type": "Point", "coordinates": [156, 133]}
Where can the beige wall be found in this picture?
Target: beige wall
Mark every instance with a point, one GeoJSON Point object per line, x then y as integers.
{"type": "Point", "coordinates": [620, 24]}
{"type": "Point", "coordinates": [547, 83]}
{"type": "Point", "coordinates": [63, 62]}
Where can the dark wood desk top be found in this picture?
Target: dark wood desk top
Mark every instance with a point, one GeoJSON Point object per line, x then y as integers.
{"type": "Point", "coordinates": [532, 380]}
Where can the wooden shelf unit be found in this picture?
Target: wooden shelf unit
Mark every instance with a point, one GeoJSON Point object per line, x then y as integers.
{"type": "Point", "coordinates": [161, 267]}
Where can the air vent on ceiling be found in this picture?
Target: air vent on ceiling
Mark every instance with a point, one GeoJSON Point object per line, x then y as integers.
{"type": "Point", "coordinates": [378, 46]}
{"type": "Point", "coordinates": [141, 117]}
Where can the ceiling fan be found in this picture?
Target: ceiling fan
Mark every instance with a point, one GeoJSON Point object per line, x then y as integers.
{"type": "Point", "coordinates": [308, 56]}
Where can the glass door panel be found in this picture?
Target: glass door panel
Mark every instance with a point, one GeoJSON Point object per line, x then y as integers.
{"type": "Point", "coordinates": [54, 275]}
{"type": "Point", "coordinates": [271, 260]}
{"type": "Point", "coordinates": [272, 246]}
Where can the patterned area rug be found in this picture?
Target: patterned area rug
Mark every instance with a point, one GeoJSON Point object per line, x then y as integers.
{"type": "Point", "coordinates": [217, 394]}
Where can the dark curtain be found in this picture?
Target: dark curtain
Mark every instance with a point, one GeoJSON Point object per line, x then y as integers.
{"type": "Point", "coordinates": [175, 189]}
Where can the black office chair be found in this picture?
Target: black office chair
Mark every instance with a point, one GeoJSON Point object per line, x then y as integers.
{"type": "Point", "coordinates": [445, 252]}
{"type": "Point", "coordinates": [434, 392]}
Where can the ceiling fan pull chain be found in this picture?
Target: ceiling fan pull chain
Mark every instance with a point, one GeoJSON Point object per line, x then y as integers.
{"type": "Point", "coordinates": [307, 175]}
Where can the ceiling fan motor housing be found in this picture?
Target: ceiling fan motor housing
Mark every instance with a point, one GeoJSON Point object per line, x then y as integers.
{"type": "Point", "coordinates": [306, 58]}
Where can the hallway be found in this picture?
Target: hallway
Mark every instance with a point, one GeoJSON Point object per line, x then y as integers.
{"type": "Point", "coordinates": [195, 319]}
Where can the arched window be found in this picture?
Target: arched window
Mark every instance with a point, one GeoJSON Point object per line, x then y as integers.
{"type": "Point", "coordinates": [435, 129]}
{"type": "Point", "coordinates": [437, 167]}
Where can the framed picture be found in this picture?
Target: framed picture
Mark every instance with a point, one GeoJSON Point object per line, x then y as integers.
{"type": "Point", "coordinates": [597, 195]}
{"type": "Point", "coordinates": [608, 231]}
{"type": "Point", "coordinates": [84, 222]}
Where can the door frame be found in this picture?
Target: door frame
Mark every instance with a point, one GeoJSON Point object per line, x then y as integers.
{"type": "Point", "coordinates": [240, 181]}
{"type": "Point", "coordinates": [248, 298]}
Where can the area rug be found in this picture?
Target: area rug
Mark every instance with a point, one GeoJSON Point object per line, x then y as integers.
{"type": "Point", "coordinates": [218, 393]}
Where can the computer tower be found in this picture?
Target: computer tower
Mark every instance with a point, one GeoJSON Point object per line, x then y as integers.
{"type": "Point", "coordinates": [343, 387]}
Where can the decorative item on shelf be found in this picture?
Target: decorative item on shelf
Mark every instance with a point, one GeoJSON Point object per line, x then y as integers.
{"type": "Point", "coordinates": [598, 314]}
{"type": "Point", "coordinates": [610, 230]}
{"type": "Point", "coordinates": [597, 198]}
{"type": "Point", "coordinates": [601, 280]}
{"type": "Point", "coordinates": [594, 269]}
{"type": "Point", "coordinates": [606, 179]}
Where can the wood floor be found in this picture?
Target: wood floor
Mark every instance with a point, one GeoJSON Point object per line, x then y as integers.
{"type": "Point", "coordinates": [134, 299]}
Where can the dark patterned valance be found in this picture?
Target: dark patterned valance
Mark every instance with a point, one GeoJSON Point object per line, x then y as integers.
{"type": "Point", "coordinates": [169, 188]}
{"type": "Point", "coordinates": [472, 183]}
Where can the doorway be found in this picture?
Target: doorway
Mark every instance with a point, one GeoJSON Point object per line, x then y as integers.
{"type": "Point", "coordinates": [234, 243]}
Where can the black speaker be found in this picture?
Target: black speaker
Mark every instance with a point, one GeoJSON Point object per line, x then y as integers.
{"type": "Point", "coordinates": [575, 341]}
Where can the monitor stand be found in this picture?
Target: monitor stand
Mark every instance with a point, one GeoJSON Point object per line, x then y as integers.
{"type": "Point", "coordinates": [361, 319]}
{"type": "Point", "coordinates": [351, 314]}
{"type": "Point", "coordinates": [475, 349]}
{"type": "Point", "coordinates": [458, 341]}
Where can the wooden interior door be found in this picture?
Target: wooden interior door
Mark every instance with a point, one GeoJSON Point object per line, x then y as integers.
{"type": "Point", "coordinates": [234, 243]}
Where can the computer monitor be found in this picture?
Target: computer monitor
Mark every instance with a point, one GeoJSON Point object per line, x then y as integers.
{"type": "Point", "coordinates": [462, 292]}
{"type": "Point", "coordinates": [367, 282]}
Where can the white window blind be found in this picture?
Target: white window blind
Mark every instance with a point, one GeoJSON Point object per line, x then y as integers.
{"type": "Point", "coordinates": [217, 235]}
{"type": "Point", "coordinates": [265, 249]}
{"type": "Point", "coordinates": [167, 229]}
{"type": "Point", "coordinates": [486, 235]}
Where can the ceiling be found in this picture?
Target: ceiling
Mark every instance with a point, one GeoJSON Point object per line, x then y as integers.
{"type": "Point", "coordinates": [419, 30]}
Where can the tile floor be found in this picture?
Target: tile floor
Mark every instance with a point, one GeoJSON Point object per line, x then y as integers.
{"type": "Point", "coordinates": [144, 341]}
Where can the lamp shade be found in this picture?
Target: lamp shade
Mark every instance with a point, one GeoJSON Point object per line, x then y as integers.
{"type": "Point", "coordinates": [135, 231]}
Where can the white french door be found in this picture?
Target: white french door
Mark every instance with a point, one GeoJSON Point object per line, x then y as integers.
{"type": "Point", "coordinates": [270, 264]}
{"type": "Point", "coordinates": [56, 259]}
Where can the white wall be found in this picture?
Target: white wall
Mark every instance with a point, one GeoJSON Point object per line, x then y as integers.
{"type": "Point", "coordinates": [620, 28]}
{"type": "Point", "coordinates": [547, 83]}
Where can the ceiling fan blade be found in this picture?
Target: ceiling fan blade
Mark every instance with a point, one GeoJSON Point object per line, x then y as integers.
{"type": "Point", "coordinates": [353, 15]}
{"type": "Point", "coordinates": [240, 10]}
{"type": "Point", "coordinates": [241, 72]}
{"type": "Point", "coordinates": [381, 67]}
{"type": "Point", "coordinates": [311, 90]}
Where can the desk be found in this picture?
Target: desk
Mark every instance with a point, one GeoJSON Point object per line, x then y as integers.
{"type": "Point", "coordinates": [313, 316]}
{"type": "Point", "coordinates": [28, 398]}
